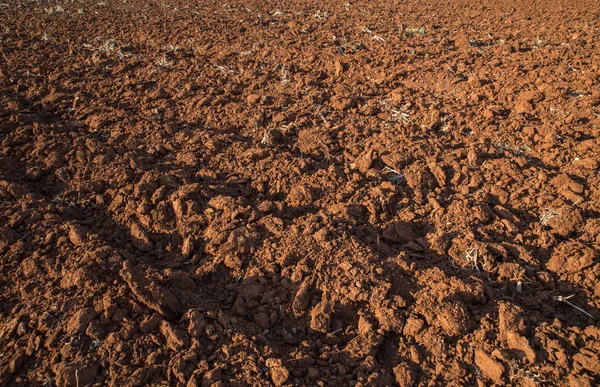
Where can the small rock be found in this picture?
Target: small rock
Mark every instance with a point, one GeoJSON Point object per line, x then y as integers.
{"type": "Point", "coordinates": [95, 330]}
{"type": "Point", "coordinates": [301, 195]}
{"type": "Point", "coordinates": [564, 184]}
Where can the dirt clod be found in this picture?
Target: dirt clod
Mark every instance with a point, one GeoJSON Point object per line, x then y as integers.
{"type": "Point", "coordinates": [149, 293]}
{"type": "Point", "coordinates": [491, 369]}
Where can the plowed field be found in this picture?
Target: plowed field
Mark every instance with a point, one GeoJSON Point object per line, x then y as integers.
{"type": "Point", "coordinates": [331, 193]}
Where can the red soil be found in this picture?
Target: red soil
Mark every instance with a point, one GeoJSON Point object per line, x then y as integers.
{"type": "Point", "coordinates": [261, 192]}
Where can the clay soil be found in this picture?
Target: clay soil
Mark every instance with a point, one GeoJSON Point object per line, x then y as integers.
{"type": "Point", "coordinates": [253, 193]}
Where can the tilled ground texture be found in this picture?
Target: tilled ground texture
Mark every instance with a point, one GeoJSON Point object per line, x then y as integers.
{"type": "Point", "coordinates": [365, 193]}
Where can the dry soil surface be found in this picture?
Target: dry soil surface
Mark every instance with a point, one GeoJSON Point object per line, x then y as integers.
{"type": "Point", "coordinates": [367, 193]}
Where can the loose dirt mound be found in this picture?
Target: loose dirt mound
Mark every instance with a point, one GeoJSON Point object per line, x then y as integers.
{"type": "Point", "coordinates": [265, 193]}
